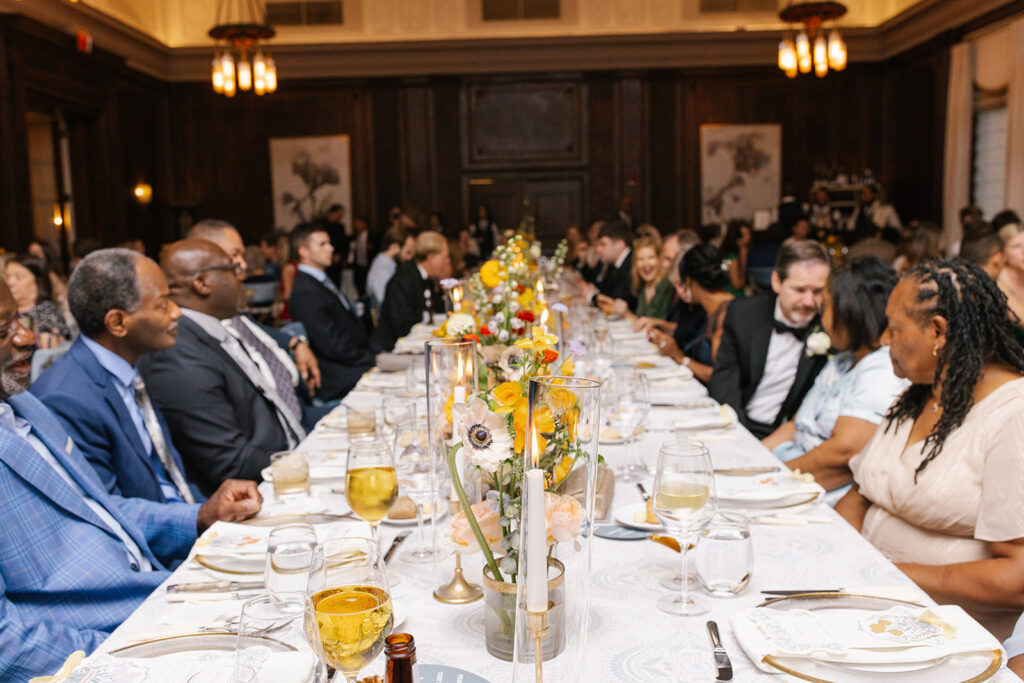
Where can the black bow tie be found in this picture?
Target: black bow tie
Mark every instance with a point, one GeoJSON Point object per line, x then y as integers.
{"type": "Point", "coordinates": [798, 332]}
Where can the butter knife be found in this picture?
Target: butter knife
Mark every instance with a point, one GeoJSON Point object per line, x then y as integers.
{"type": "Point", "coordinates": [214, 586]}
{"type": "Point", "coordinates": [745, 471]}
{"type": "Point", "coordinates": [721, 658]}
{"type": "Point", "coordinates": [402, 535]}
{"type": "Point", "coordinates": [643, 491]}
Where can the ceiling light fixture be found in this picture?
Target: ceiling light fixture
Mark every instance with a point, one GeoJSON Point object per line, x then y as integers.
{"type": "Point", "coordinates": [807, 48]}
{"type": "Point", "coordinates": [241, 26]}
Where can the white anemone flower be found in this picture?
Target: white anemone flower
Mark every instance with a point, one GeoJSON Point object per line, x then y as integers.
{"type": "Point", "coordinates": [484, 435]}
{"type": "Point", "coordinates": [511, 364]}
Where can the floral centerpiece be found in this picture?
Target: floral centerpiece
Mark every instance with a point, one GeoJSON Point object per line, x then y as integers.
{"type": "Point", "coordinates": [491, 429]}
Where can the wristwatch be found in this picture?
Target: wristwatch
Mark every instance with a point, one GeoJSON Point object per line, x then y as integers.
{"type": "Point", "coordinates": [686, 361]}
{"type": "Point", "coordinates": [295, 341]}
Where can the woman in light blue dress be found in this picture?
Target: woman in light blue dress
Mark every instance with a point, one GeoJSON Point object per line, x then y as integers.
{"type": "Point", "coordinates": [855, 388]}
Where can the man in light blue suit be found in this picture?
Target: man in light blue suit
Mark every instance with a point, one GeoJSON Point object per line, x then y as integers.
{"type": "Point", "coordinates": [75, 561]}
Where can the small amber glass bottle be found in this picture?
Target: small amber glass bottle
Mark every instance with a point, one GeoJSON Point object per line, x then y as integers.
{"type": "Point", "coordinates": [401, 651]}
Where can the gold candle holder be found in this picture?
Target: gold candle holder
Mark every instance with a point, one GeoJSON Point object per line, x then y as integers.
{"type": "Point", "coordinates": [458, 591]}
{"type": "Point", "coordinates": [537, 625]}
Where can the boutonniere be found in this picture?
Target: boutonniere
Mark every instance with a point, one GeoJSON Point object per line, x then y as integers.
{"type": "Point", "coordinates": [818, 343]}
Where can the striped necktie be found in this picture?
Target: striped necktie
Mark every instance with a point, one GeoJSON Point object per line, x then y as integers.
{"type": "Point", "coordinates": [156, 434]}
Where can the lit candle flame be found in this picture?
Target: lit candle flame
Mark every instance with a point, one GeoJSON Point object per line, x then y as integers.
{"type": "Point", "coordinates": [534, 447]}
{"type": "Point", "coordinates": [459, 369]}
{"type": "Point", "coordinates": [540, 289]}
{"type": "Point", "coordinates": [544, 317]}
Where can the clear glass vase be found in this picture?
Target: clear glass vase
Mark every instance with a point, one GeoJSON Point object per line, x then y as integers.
{"type": "Point", "coordinates": [500, 615]}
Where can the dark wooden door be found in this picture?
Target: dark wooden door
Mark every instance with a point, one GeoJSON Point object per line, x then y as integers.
{"type": "Point", "coordinates": [555, 203]}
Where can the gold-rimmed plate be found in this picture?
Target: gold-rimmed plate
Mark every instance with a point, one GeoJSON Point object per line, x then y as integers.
{"type": "Point", "coordinates": [233, 564]}
{"type": "Point", "coordinates": [971, 667]}
{"type": "Point", "coordinates": [218, 641]}
{"type": "Point", "coordinates": [298, 518]}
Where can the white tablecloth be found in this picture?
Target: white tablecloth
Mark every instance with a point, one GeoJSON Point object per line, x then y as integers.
{"type": "Point", "coordinates": [629, 639]}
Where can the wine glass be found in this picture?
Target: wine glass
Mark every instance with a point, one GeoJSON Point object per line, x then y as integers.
{"type": "Point", "coordinates": [371, 484]}
{"type": "Point", "coordinates": [396, 410]}
{"type": "Point", "coordinates": [348, 611]}
{"type": "Point", "coordinates": [684, 503]}
{"type": "Point", "coordinates": [289, 548]}
{"type": "Point", "coordinates": [601, 332]}
{"type": "Point", "coordinates": [628, 401]}
{"type": "Point", "coordinates": [280, 617]}
{"type": "Point", "coordinates": [419, 477]}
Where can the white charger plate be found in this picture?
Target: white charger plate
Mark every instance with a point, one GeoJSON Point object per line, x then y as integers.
{"type": "Point", "coordinates": [626, 516]}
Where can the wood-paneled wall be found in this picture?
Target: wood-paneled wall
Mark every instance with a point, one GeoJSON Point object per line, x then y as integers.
{"type": "Point", "coordinates": [570, 143]}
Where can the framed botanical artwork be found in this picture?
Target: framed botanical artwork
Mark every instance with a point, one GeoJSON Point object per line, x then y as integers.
{"type": "Point", "coordinates": [308, 175]}
{"type": "Point", "coordinates": [740, 170]}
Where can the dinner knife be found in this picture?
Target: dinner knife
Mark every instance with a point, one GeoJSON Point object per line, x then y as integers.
{"type": "Point", "coordinates": [745, 471]}
{"type": "Point", "coordinates": [800, 591]}
{"type": "Point", "coordinates": [721, 658]}
{"type": "Point", "coordinates": [643, 491]}
{"type": "Point", "coordinates": [402, 535]}
{"type": "Point", "coordinates": [214, 586]}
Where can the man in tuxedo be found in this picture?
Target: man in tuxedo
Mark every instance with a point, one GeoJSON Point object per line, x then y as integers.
{"type": "Point", "coordinates": [335, 331]}
{"type": "Point", "coordinates": [615, 279]}
{"type": "Point", "coordinates": [76, 559]}
{"type": "Point", "coordinates": [408, 295]}
{"type": "Point", "coordinates": [228, 398]}
{"type": "Point", "coordinates": [385, 263]}
{"type": "Point", "coordinates": [762, 368]}
{"type": "Point", "coordinates": [302, 360]}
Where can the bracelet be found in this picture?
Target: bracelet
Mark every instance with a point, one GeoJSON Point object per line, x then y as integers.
{"type": "Point", "coordinates": [295, 341]}
{"type": "Point", "coordinates": [686, 361]}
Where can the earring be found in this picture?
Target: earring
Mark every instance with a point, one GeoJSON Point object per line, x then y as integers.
{"type": "Point", "coordinates": [935, 350]}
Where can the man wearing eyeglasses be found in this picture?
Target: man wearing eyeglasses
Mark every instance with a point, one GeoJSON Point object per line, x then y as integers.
{"type": "Point", "coordinates": [226, 404]}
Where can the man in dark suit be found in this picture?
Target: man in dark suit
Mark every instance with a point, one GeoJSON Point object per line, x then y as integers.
{"type": "Point", "coordinates": [615, 279]}
{"type": "Point", "coordinates": [224, 401]}
{"type": "Point", "coordinates": [335, 331]}
{"type": "Point", "coordinates": [406, 299]}
{"type": "Point", "coordinates": [763, 369]}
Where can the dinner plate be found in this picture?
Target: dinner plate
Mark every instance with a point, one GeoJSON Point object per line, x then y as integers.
{"type": "Point", "coordinates": [195, 642]}
{"type": "Point", "coordinates": [610, 435]}
{"type": "Point", "coordinates": [626, 516]}
{"type": "Point", "coordinates": [961, 668]}
{"type": "Point", "coordinates": [317, 473]}
{"type": "Point", "coordinates": [765, 492]}
{"type": "Point", "coordinates": [411, 521]}
{"type": "Point", "coordinates": [233, 564]}
{"type": "Point", "coordinates": [297, 518]}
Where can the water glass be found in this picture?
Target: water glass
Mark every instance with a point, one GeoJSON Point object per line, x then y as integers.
{"type": "Point", "coordinates": [290, 472]}
{"type": "Point", "coordinates": [628, 402]}
{"type": "Point", "coordinates": [421, 471]}
{"type": "Point", "coordinates": [396, 410]}
{"type": "Point", "coordinates": [725, 554]}
{"type": "Point", "coordinates": [266, 622]}
{"type": "Point", "coordinates": [289, 550]}
{"type": "Point", "coordinates": [362, 425]}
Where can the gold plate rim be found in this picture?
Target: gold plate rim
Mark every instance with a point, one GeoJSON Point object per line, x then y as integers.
{"type": "Point", "coordinates": [200, 560]}
{"type": "Point", "coordinates": [201, 634]}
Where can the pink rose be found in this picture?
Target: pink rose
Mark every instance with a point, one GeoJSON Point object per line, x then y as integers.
{"type": "Point", "coordinates": [565, 518]}
{"type": "Point", "coordinates": [460, 535]}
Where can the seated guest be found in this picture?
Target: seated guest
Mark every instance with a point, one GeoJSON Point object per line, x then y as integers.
{"type": "Point", "coordinates": [739, 237]}
{"type": "Point", "coordinates": [122, 305]}
{"type": "Point", "coordinates": [29, 281]}
{"type": "Point", "coordinates": [869, 242]}
{"type": "Point", "coordinates": [334, 329]}
{"type": "Point", "coordinates": [683, 320]}
{"type": "Point", "coordinates": [590, 265]}
{"type": "Point", "coordinates": [223, 402]}
{"type": "Point", "coordinates": [271, 255]}
{"type": "Point", "coordinates": [76, 560]}
{"type": "Point", "coordinates": [1011, 278]}
{"type": "Point", "coordinates": [855, 388]}
{"type": "Point", "coordinates": [937, 488]}
{"type": "Point", "coordinates": [986, 252]}
{"type": "Point", "coordinates": [1014, 647]}
{"type": "Point", "coordinates": [705, 284]}
{"type": "Point", "coordinates": [225, 236]}
{"type": "Point", "coordinates": [921, 244]}
{"type": "Point", "coordinates": [614, 278]}
{"type": "Point", "coordinates": [405, 299]}
{"type": "Point", "coordinates": [762, 368]}
{"type": "Point", "coordinates": [384, 265]}
{"type": "Point", "coordinates": [651, 288]}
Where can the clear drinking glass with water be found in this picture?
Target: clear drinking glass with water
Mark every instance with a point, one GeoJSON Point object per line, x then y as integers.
{"type": "Point", "coordinates": [290, 472]}
{"type": "Point", "coordinates": [725, 554]}
{"type": "Point", "coordinates": [289, 551]}
{"type": "Point", "coordinates": [628, 401]}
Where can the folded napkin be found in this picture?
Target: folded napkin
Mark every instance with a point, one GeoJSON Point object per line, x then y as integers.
{"type": "Point", "coordinates": [627, 335]}
{"type": "Point", "coordinates": [899, 635]}
{"type": "Point", "coordinates": [722, 418]}
{"type": "Point", "coordinates": [383, 380]}
{"type": "Point", "coordinates": [392, 362]}
{"type": "Point", "coordinates": [679, 392]}
{"type": "Point", "coordinates": [226, 539]}
{"type": "Point", "coordinates": [679, 373]}
{"type": "Point", "coordinates": [407, 346]}
{"type": "Point", "coordinates": [280, 667]}
{"type": "Point", "coordinates": [575, 486]}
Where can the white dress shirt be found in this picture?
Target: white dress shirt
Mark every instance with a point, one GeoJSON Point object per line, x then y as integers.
{"type": "Point", "coordinates": [780, 365]}
{"type": "Point", "coordinates": [381, 270]}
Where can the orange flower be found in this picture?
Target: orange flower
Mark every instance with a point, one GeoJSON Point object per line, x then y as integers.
{"type": "Point", "coordinates": [471, 336]}
{"type": "Point", "coordinates": [550, 356]}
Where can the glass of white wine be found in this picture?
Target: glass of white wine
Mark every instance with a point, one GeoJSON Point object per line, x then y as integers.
{"type": "Point", "coordinates": [371, 484]}
{"type": "Point", "coordinates": [684, 502]}
{"type": "Point", "coordinates": [349, 611]}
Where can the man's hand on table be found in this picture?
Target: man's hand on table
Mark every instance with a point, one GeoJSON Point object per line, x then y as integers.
{"type": "Point", "coordinates": [308, 365]}
{"type": "Point", "coordinates": [234, 500]}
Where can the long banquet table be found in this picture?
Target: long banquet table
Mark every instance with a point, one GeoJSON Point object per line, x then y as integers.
{"type": "Point", "coordinates": [629, 638]}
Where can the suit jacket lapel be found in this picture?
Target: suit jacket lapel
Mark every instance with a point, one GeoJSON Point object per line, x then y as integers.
{"type": "Point", "coordinates": [761, 327]}
{"type": "Point", "coordinates": [41, 475]}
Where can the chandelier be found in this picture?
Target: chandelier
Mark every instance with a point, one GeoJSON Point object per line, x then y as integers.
{"type": "Point", "coordinates": [239, 61]}
{"type": "Point", "coordinates": [810, 49]}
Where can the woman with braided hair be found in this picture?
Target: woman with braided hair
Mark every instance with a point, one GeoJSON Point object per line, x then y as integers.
{"type": "Point", "coordinates": [938, 488]}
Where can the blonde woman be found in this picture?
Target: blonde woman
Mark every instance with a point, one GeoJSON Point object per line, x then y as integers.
{"type": "Point", "coordinates": [652, 289]}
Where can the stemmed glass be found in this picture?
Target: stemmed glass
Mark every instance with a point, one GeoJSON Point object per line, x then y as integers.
{"type": "Point", "coordinates": [628, 401]}
{"type": "Point", "coordinates": [684, 503]}
{"type": "Point", "coordinates": [348, 610]}
{"type": "Point", "coordinates": [412, 462]}
{"type": "Point", "coordinates": [371, 484]}
{"type": "Point", "coordinates": [282, 617]}
{"type": "Point", "coordinates": [396, 410]}
{"type": "Point", "coordinates": [601, 334]}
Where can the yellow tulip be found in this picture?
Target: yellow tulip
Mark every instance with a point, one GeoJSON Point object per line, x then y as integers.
{"type": "Point", "coordinates": [509, 395]}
